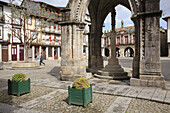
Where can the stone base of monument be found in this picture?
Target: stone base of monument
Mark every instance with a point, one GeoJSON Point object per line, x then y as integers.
{"type": "Point", "coordinates": [114, 70]}
{"type": "Point", "coordinates": [93, 70]}
{"type": "Point", "coordinates": [25, 65]}
{"type": "Point", "coordinates": [148, 81]}
{"type": "Point", "coordinates": [116, 75]}
{"type": "Point", "coordinates": [73, 77]}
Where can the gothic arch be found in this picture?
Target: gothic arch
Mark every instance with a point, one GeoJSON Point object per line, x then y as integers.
{"type": "Point", "coordinates": [78, 7]}
{"type": "Point", "coordinates": [145, 15]}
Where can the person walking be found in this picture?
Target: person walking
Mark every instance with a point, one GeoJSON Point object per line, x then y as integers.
{"type": "Point", "coordinates": [41, 59]}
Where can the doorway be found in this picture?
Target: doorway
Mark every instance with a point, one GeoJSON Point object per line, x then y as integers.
{"type": "Point", "coordinates": [5, 53]}
{"type": "Point", "coordinates": [14, 53]}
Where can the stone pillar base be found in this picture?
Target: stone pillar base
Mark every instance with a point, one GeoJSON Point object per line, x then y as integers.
{"type": "Point", "coordinates": [72, 78]}
{"type": "Point", "coordinates": [72, 69]}
{"type": "Point", "coordinates": [114, 70]}
{"type": "Point", "coordinates": [93, 70]}
{"type": "Point", "coordinates": [148, 81]}
{"type": "Point", "coordinates": [96, 64]}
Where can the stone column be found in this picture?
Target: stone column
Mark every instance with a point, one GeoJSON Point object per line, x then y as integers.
{"type": "Point", "coordinates": [150, 65]}
{"type": "Point", "coordinates": [98, 49]}
{"type": "Point", "coordinates": [46, 53]}
{"type": "Point", "coordinates": [33, 53]}
{"type": "Point", "coordinates": [18, 57]}
{"type": "Point", "coordinates": [168, 49]}
{"type": "Point", "coordinates": [72, 62]}
{"type": "Point", "coordinates": [113, 69]}
{"type": "Point", "coordinates": [0, 52]}
{"type": "Point", "coordinates": [9, 53]}
{"type": "Point", "coordinates": [53, 53]}
{"type": "Point", "coordinates": [59, 56]}
{"type": "Point", "coordinates": [87, 54]}
{"type": "Point", "coordinates": [40, 50]}
{"type": "Point", "coordinates": [95, 61]}
{"type": "Point", "coordinates": [136, 59]}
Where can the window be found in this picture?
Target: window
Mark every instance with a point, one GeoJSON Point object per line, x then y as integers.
{"type": "Point", "coordinates": [2, 17]}
{"type": "Point", "coordinates": [133, 39]}
{"type": "Point", "coordinates": [30, 20]}
{"type": "Point", "coordinates": [122, 40]}
{"type": "Point", "coordinates": [84, 39]}
{"type": "Point", "coordinates": [1, 11]}
{"type": "Point", "coordinates": [130, 39]}
{"type": "Point", "coordinates": [50, 51]}
{"type": "Point", "coordinates": [109, 41]}
{"type": "Point", "coordinates": [84, 51]}
{"type": "Point", "coordinates": [118, 41]}
{"type": "Point", "coordinates": [34, 36]}
{"type": "Point", "coordinates": [126, 39]}
{"type": "Point", "coordinates": [37, 21]}
{"type": "Point", "coordinates": [16, 17]}
{"type": "Point", "coordinates": [56, 27]}
{"type": "Point", "coordinates": [1, 32]}
{"type": "Point", "coordinates": [17, 35]}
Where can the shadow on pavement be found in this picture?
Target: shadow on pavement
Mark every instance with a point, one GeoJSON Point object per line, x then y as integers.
{"type": "Point", "coordinates": [55, 72]}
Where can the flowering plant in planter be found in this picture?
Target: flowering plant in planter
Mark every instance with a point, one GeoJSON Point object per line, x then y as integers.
{"type": "Point", "coordinates": [20, 84]}
{"type": "Point", "coordinates": [80, 93]}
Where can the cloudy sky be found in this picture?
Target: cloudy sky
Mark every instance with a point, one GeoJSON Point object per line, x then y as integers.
{"type": "Point", "coordinates": [122, 13]}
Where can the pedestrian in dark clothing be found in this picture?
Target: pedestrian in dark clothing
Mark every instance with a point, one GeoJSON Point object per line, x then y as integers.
{"type": "Point", "coordinates": [41, 59]}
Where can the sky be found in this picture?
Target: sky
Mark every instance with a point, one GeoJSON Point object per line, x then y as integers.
{"type": "Point", "coordinates": [122, 13]}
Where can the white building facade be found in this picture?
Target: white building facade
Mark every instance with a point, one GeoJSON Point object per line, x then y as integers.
{"type": "Point", "coordinates": [167, 19]}
{"type": "Point", "coordinates": [11, 48]}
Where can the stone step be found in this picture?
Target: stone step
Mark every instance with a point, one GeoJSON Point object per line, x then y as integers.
{"type": "Point", "coordinates": [167, 85]}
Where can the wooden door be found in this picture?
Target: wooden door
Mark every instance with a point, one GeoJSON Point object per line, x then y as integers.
{"type": "Point", "coordinates": [21, 53]}
{"type": "Point", "coordinates": [56, 53]}
{"type": "Point", "coordinates": [14, 53]}
{"type": "Point", "coordinates": [4, 53]}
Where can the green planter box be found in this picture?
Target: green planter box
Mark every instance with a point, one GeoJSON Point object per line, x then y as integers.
{"type": "Point", "coordinates": [18, 88]}
{"type": "Point", "coordinates": [80, 96]}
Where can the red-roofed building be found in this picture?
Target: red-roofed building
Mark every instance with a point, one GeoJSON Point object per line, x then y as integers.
{"type": "Point", "coordinates": [125, 42]}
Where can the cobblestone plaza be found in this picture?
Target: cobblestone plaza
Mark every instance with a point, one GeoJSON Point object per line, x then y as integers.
{"type": "Point", "coordinates": [119, 85]}
{"type": "Point", "coordinates": [49, 95]}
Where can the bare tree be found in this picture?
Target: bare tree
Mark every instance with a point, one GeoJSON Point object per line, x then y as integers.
{"type": "Point", "coordinates": [19, 17]}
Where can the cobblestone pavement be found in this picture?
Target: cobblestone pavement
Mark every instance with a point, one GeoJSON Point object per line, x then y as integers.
{"type": "Point", "coordinates": [49, 94]}
{"type": "Point", "coordinates": [146, 106]}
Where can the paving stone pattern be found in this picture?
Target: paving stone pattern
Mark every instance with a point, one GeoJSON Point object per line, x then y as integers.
{"type": "Point", "coordinates": [49, 94]}
{"type": "Point", "coordinates": [146, 106]}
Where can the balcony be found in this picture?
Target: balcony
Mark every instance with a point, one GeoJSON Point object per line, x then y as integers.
{"type": "Point", "coordinates": [51, 31]}
{"type": "Point", "coordinates": [51, 42]}
{"type": "Point", "coordinates": [52, 16]}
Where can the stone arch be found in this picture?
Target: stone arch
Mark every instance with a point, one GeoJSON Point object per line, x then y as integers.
{"type": "Point", "coordinates": [145, 15]}
{"type": "Point", "coordinates": [107, 52]}
{"type": "Point", "coordinates": [78, 7]}
{"type": "Point", "coordinates": [128, 52]}
{"type": "Point", "coordinates": [117, 52]}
